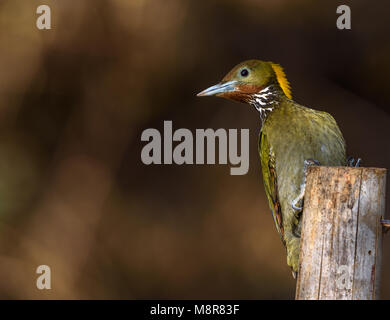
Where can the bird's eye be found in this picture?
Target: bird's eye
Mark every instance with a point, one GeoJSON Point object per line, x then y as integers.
{"type": "Point", "coordinates": [244, 72]}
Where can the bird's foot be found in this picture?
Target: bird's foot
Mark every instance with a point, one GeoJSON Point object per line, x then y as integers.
{"type": "Point", "coordinates": [386, 225]}
{"type": "Point", "coordinates": [297, 203]}
{"type": "Point", "coordinates": [351, 162]}
{"type": "Point", "coordinates": [310, 162]}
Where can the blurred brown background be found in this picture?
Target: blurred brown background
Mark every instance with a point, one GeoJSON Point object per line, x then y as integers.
{"type": "Point", "coordinates": [74, 101]}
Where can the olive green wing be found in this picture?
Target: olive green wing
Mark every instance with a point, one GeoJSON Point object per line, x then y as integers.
{"type": "Point", "coordinates": [267, 158]}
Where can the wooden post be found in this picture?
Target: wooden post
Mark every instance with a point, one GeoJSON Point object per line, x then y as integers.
{"type": "Point", "coordinates": [341, 236]}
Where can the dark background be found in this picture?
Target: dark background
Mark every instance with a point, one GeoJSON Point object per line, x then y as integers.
{"type": "Point", "coordinates": [74, 101]}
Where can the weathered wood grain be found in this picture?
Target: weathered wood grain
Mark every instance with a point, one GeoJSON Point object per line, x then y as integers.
{"type": "Point", "coordinates": [341, 233]}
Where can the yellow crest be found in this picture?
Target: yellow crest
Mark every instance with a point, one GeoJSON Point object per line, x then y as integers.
{"type": "Point", "coordinates": [282, 79]}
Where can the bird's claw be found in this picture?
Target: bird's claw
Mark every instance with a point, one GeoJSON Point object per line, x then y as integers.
{"type": "Point", "coordinates": [297, 203]}
{"type": "Point", "coordinates": [294, 205]}
{"type": "Point", "coordinates": [351, 162]}
{"type": "Point", "coordinates": [386, 225]}
{"type": "Point", "coordinates": [311, 162]}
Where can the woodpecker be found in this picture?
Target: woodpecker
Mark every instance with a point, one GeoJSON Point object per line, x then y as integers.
{"type": "Point", "coordinates": [292, 137]}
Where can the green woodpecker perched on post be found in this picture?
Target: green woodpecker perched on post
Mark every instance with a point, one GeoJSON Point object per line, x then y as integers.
{"type": "Point", "coordinates": [292, 137]}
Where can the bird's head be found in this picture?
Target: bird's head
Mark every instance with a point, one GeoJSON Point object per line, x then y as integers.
{"type": "Point", "coordinates": [248, 79]}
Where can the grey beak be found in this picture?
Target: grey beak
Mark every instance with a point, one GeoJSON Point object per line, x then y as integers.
{"type": "Point", "coordinates": [218, 88]}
